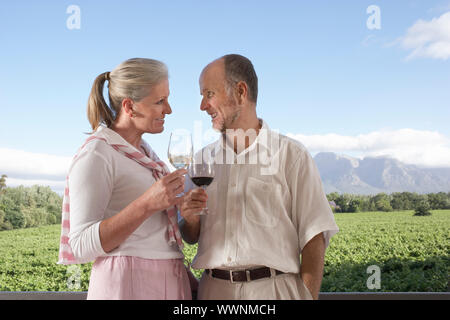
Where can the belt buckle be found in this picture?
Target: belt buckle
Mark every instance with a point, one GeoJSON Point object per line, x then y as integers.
{"type": "Point", "coordinates": [231, 276]}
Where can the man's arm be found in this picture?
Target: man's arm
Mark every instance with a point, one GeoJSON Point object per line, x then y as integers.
{"type": "Point", "coordinates": [193, 202]}
{"type": "Point", "coordinates": [190, 231]}
{"type": "Point", "coordinates": [311, 269]}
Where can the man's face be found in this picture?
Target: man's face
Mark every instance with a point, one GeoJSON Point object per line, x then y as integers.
{"type": "Point", "coordinates": [222, 108]}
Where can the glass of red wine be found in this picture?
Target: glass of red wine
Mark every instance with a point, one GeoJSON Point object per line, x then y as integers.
{"type": "Point", "coordinates": [201, 174]}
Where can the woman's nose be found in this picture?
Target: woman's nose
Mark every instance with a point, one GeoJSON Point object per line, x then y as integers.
{"type": "Point", "coordinates": [168, 109]}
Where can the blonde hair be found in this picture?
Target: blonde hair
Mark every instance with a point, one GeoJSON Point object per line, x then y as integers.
{"type": "Point", "coordinates": [131, 79]}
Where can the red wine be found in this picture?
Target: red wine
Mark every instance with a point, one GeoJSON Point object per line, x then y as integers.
{"type": "Point", "coordinates": [202, 181]}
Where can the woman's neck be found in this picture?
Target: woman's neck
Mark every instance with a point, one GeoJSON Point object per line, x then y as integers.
{"type": "Point", "coordinates": [131, 136]}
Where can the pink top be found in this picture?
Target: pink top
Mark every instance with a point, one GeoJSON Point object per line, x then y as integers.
{"type": "Point", "coordinates": [107, 174]}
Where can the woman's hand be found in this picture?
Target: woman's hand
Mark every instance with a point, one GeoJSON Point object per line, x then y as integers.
{"type": "Point", "coordinates": [163, 193]}
{"type": "Point", "coordinates": [193, 202]}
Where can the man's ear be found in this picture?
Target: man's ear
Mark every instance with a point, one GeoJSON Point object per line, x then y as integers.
{"type": "Point", "coordinates": [242, 92]}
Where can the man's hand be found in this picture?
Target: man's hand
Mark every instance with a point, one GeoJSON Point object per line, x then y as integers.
{"type": "Point", "coordinates": [311, 269]}
{"type": "Point", "coordinates": [193, 202]}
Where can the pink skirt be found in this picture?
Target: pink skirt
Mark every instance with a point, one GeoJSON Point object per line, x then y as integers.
{"type": "Point", "coordinates": [133, 278]}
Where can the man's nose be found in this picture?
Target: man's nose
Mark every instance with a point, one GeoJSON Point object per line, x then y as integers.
{"type": "Point", "coordinates": [203, 105]}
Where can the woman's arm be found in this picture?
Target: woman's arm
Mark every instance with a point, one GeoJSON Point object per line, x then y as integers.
{"type": "Point", "coordinates": [91, 185]}
{"type": "Point", "coordinates": [161, 195]}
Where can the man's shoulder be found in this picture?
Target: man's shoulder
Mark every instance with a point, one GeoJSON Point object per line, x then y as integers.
{"type": "Point", "coordinates": [293, 148]}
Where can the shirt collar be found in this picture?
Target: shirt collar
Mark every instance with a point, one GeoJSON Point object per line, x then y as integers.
{"type": "Point", "coordinates": [262, 143]}
{"type": "Point", "coordinates": [113, 137]}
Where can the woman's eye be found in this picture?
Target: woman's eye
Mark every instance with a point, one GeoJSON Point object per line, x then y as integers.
{"type": "Point", "coordinates": [160, 101]}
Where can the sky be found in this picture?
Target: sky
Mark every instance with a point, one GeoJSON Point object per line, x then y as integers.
{"type": "Point", "coordinates": [362, 78]}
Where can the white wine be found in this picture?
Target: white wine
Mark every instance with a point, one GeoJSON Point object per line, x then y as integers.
{"type": "Point", "coordinates": [180, 162]}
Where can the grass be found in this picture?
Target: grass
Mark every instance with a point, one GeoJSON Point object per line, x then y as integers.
{"type": "Point", "coordinates": [411, 252]}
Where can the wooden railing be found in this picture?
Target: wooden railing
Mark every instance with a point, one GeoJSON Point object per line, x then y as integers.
{"type": "Point", "coordinates": [32, 295]}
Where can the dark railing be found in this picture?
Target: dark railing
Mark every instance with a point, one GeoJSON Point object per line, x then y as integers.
{"type": "Point", "coordinates": [33, 295]}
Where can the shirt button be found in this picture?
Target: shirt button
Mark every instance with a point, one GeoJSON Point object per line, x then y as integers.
{"type": "Point", "coordinates": [234, 185]}
{"type": "Point", "coordinates": [229, 259]}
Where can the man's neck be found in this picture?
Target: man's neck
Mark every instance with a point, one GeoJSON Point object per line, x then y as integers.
{"type": "Point", "coordinates": [243, 136]}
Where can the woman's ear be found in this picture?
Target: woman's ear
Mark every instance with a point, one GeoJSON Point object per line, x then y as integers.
{"type": "Point", "coordinates": [127, 107]}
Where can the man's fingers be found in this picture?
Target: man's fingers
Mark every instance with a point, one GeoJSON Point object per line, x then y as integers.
{"type": "Point", "coordinates": [198, 197]}
{"type": "Point", "coordinates": [198, 194]}
{"type": "Point", "coordinates": [195, 204]}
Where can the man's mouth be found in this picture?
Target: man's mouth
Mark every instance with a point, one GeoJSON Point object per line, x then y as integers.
{"type": "Point", "coordinates": [214, 115]}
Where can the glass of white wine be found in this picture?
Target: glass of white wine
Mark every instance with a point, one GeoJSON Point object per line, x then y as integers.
{"type": "Point", "coordinates": [180, 150]}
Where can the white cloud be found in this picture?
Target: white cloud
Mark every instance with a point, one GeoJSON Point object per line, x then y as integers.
{"type": "Point", "coordinates": [422, 148]}
{"type": "Point", "coordinates": [428, 39]}
{"type": "Point", "coordinates": [27, 168]}
{"type": "Point", "coordinates": [33, 164]}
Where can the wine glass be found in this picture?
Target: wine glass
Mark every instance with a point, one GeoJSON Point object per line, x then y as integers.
{"type": "Point", "coordinates": [202, 174]}
{"type": "Point", "coordinates": [180, 149]}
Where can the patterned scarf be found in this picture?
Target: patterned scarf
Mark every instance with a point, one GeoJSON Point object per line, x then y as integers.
{"type": "Point", "coordinates": [159, 170]}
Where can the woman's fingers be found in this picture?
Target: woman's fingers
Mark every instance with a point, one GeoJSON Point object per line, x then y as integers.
{"type": "Point", "coordinates": [172, 177]}
{"type": "Point", "coordinates": [174, 184]}
{"type": "Point", "coordinates": [178, 189]}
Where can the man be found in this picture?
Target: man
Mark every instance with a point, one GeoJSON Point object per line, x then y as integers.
{"type": "Point", "coordinates": [266, 203]}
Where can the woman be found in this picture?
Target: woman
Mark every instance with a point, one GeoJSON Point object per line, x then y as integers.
{"type": "Point", "coordinates": [121, 212]}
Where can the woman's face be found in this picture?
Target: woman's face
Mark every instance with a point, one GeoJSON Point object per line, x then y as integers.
{"type": "Point", "coordinates": [150, 111]}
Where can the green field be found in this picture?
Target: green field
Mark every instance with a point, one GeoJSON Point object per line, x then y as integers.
{"type": "Point", "coordinates": [411, 252]}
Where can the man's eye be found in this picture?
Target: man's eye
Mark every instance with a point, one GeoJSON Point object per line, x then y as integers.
{"type": "Point", "coordinates": [209, 94]}
{"type": "Point", "coordinates": [160, 101]}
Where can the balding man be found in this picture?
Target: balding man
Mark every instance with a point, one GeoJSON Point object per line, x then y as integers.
{"type": "Point", "coordinates": [266, 204]}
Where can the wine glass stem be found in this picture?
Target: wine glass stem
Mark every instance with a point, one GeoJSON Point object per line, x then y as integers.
{"type": "Point", "coordinates": [205, 210]}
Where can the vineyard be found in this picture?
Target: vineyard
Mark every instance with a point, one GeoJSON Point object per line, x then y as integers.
{"type": "Point", "coordinates": [412, 254]}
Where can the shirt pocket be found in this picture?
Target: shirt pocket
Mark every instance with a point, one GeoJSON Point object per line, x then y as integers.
{"type": "Point", "coordinates": [259, 203]}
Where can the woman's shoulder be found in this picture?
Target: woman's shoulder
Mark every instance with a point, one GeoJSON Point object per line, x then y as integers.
{"type": "Point", "coordinates": [95, 150]}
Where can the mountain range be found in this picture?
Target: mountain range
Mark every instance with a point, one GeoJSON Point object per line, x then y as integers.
{"type": "Point", "coordinates": [372, 175]}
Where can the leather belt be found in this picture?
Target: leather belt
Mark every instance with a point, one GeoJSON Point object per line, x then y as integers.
{"type": "Point", "coordinates": [242, 275]}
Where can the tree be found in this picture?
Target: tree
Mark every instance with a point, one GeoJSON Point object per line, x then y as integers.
{"type": "Point", "coordinates": [24, 207]}
{"type": "Point", "coordinates": [423, 209]}
{"type": "Point", "coordinates": [438, 200]}
{"type": "Point", "coordinates": [3, 182]}
{"type": "Point", "coordinates": [382, 202]}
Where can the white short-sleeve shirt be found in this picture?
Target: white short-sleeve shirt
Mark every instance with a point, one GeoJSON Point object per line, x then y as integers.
{"type": "Point", "coordinates": [102, 182]}
{"type": "Point", "coordinates": [265, 204]}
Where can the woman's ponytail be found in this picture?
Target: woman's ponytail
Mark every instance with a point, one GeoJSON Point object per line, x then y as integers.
{"type": "Point", "coordinates": [98, 111]}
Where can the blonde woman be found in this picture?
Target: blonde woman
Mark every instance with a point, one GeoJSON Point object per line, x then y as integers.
{"type": "Point", "coordinates": [118, 206]}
